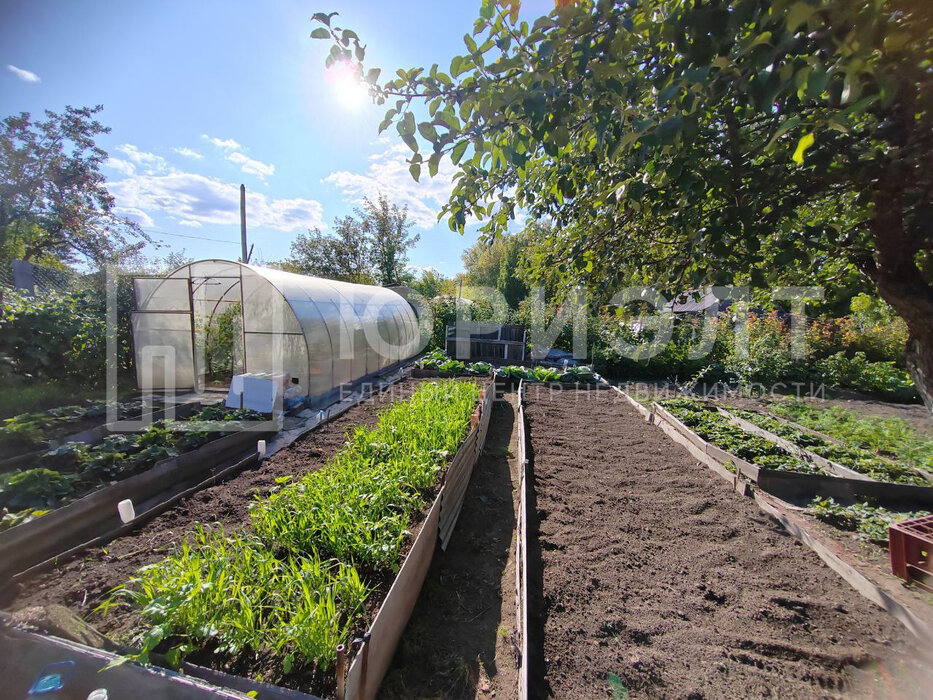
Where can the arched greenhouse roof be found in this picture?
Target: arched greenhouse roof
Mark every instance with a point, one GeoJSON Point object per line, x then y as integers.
{"type": "Point", "coordinates": [324, 332]}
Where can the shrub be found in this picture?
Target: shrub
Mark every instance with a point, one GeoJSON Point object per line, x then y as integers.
{"type": "Point", "coordinates": [856, 372]}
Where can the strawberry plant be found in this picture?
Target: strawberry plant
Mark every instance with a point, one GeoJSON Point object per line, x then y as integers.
{"type": "Point", "coordinates": [713, 427]}
{"type": "Point", "coordinates": [868, 521]}
{"type": "Point", "coordinates": [856, 459]}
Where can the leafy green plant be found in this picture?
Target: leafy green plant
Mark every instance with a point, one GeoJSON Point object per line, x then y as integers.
{"type": "Point", "coordinates": [856, 372]}
{"type": "Point", "coordinates": [79, 467]}
{"type": "Point", "coordinates": [856, 459]}
{"type": "Point", "coordinates": [889, 436]}
{"type": "Point", "coordinates": [289, 584]}
{"type": "Point", "coordinates": [713, 427]}
{"type": "Point", "coordinates": [870, 522]}
{"type": "Point", "coordinates": [548, 374]}
{"type": "Point", "coordinates": [230, 589]}
{"type": "Point", "coordinates": [33, 488]}
{"type": "Point", "coordinates": [18, 518]}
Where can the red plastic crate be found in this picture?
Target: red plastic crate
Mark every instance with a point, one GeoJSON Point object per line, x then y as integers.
{"type": "Point", "coordinates": [911, 546]}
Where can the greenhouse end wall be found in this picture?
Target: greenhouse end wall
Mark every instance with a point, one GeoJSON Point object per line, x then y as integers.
{"type": "Point", "coordinates": [324, 332]}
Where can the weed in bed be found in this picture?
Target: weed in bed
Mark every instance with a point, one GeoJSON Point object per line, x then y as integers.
{"type": "Point", "coordinates": [870, 522]}
{"type": "Point", "coordinates": [289, 583]}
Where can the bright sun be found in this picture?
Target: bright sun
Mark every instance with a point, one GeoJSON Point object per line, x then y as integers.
{"type": "Point", "coordinates": [351, 92]}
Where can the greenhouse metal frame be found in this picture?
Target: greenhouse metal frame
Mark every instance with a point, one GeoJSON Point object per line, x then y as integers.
{"type": "Point", "coordinates": [324, 332]}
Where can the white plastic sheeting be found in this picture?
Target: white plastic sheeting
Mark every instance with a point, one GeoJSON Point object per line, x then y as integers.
{"type": "Point", "coordinates": [324, 332]}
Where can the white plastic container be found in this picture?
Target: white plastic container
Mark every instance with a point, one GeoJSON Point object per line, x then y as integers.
{"type": "Point", "coordinates": [261, 448]}
{"type": "Point", "coordinates": [126, 510]}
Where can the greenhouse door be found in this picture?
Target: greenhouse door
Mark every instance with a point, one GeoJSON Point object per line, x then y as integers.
{"type": "Point", "coordinates": [163, 334]}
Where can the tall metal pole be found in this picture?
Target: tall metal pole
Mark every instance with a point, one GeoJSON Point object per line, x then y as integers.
{"type": "Point", "coordinates": [245, 256]}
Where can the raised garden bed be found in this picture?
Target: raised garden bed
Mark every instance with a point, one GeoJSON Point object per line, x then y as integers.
{"type": "Point", "coordinates": [74, 470]}
{"type": "Point", "coordinates": [827, 453]}
{"type": "Point", "coordinates": [647, 574]}
{"type": "Point", "coordinates": [174, 528]}
{"type": "Point", "coordinates": [715, 428]}
{"type": "Point", "coordinates": [796, 485]}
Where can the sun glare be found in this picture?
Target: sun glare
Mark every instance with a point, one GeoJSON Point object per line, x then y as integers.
{"type": "Point", "coordinates": [350, 91]}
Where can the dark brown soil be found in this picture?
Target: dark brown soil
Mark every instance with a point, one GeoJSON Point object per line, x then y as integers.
{"type": "Point", "coordinates": [461, 640]}
{"type": "Point", "coordinates": [874, 560]}
{"type": "Point", "coordinates": [83, 584]}
{"type": "Point", "coordinates": [650, 568]}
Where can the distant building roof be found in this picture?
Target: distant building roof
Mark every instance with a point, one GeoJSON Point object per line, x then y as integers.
{"type": "Point", "coordinates": [687, 302]}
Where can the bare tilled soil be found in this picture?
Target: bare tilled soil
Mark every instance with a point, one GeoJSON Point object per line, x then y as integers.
{"type": "Point", "coordinates": [84, 583]}
{"type": "Point", "coordinates": [647, 566]}
{"type": "Point", "coordinates": [462, 639]}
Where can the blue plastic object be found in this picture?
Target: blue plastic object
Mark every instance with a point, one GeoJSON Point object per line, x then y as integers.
{"type": "Point", "coordinates": [52, 678]}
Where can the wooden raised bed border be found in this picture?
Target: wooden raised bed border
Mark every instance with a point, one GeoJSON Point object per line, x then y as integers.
{"type": "Point", "coordinates": [890, 600]}
{"type": "Point", "coordinates": [376, 648]}
{"type": "Point", "coordinates": [521, 549]}
{"type": "Point", "coordinates": [794, 486]}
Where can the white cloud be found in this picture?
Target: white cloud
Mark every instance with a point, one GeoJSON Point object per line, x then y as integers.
{"type": "Point", "coordinates": [148, 162]}
{"type": "Point", "coordinates": [226, 144]}
{"type": "Point", "coordinates": [388, 174]}
{"type": "Point", "coordinates": [194, 198]}
{"type": "Point", "coordinates": [191, 223]}
{"type": "Point", "coordinates": [188, 153]}
{"type": "Point", "coordinates": [25, 75]}
{"type": "Point", "coordinates": [251, 166]}
{"type": "Point", "coordinates": [121, 166]}
{"type": "Point", "coordinates": [137, 215]}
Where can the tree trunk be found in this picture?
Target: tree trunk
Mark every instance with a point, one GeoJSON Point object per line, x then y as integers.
{"type": "Point", "coordinates": [916, 308]}
{"type": "Point", "coordinates": [894, 270]}
{"type": "Point", "coordinates": [920, 363]}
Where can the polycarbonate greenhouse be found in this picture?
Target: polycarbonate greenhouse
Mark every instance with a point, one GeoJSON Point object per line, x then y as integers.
{"type": "Point", "coordinates": [256, 319]}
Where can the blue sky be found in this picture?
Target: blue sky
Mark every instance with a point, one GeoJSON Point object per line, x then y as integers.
{"type": "Point", "coordinates": [203, 95]}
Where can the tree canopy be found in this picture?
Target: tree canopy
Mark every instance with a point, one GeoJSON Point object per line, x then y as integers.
{"type": "Point", "coordinates": [370, 247]}
{"type": "Point", "coordinates": [54, 204]}
{"type": "Point", "coordinates": [692, 142]}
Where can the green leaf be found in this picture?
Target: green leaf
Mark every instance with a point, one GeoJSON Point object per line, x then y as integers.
{"type": "Point", "coordinates": [785, 126]}
{"type": "Point", "coordinates": [458, 150]}
{"type": "Point", "coordinates": [118, 661]}
{"type": "Point", "coordinates": [802, 145]}
{"type": "Point", "coordinates": [406, 126]}
{"type": "Point", "coordinates": [433, 163]}
{"type": "Point", "coordinates": [798, 14]}
{"type": "Point", "coordinates": [415, 170]}
{"type": "Point", "coordinates": [320, 33]}
{"type": "Point", "coordinates": [427, 130]}
{"type": "Point", "coordinates": [323, 17]}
